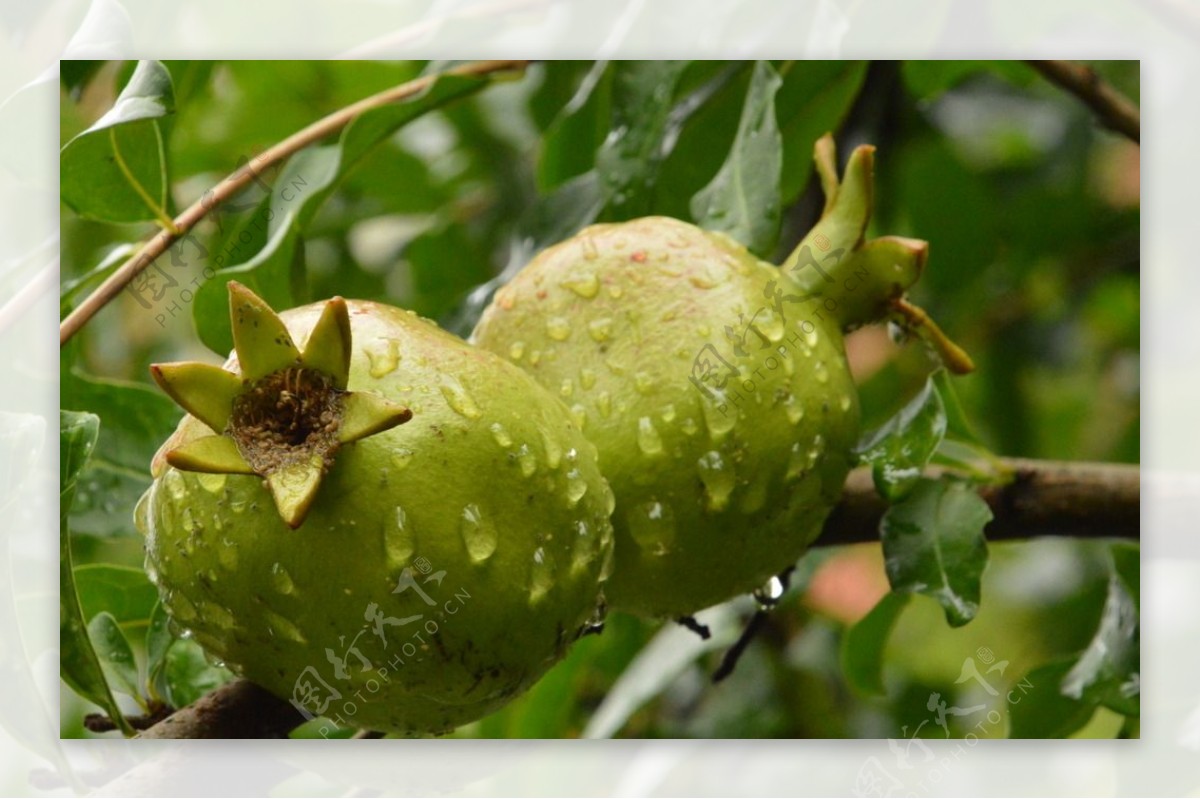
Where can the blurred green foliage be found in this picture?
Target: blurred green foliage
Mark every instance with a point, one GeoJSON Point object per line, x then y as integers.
{"type": "Point", "coordinates": [1032, 212]}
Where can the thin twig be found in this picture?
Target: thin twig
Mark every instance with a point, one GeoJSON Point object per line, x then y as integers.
{"type": "Point", "coordinates": [1045, 498]}
{"type": "Point", "coordinates": [237, 181]}
{"type": "Point", "coordinates": [1116, 111]}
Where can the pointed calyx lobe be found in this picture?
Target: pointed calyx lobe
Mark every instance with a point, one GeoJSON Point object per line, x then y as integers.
{"type": "Point", "coordinates": [858, 280]}
{"type": "Point", "coordinates": [287, 413]}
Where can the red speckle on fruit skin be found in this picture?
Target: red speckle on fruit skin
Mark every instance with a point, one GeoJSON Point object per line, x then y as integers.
{"type": "Point", "coordinates": [541, 295]}
{"type": "Point", "coordinates": [639, 256]}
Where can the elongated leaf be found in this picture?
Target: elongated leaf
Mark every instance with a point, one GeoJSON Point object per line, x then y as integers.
{"type": "Point", "coordinates": [276, 272]}
{"type": "Point", "coordinates": [933, 544]}
{"type": "Point", "coordinates": [1041, 710]}
{"type": "Point", "coordinates": [115, 654]}
{"type": "Point", "coordinates": [116, 170]}
{"type": "Point", "coordinates": [864, 643]}
{"type": "Point", "coordinates": [900, 448]}
{"type": "Point", "coordinates": [80, 667]}
{"type": "Point", "coordinates": [568, 148]}
{"type": "Point", "coordinates": [123, 592]}
{"type": "Point", "coordinates": [628, 161]}
{"type": "Point", "coordinates": [1109, 670]}
{"type": "Point", "coordinates": [743, 199]}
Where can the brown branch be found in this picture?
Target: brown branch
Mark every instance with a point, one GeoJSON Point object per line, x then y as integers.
{"type": "Point", "coordinates": [1045, 498]}
{"type": "Point", "coordinates": [239, 709]}
{"type": "Point", "coordinates": [1116, 111]}
{"type": "Point", "coordinates": [230, 186]}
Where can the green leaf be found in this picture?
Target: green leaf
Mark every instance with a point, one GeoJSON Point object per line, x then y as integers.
{"type": "Point", "coordinates": [189, 675]}
{"type": "Point", "coordinates": [136, 420]}
{"type": "Point", "coordinates": [568, 148]}
{"type": "Point", "coordinates": [79, 665]}
{"type": "Point", "coordinates": [743, 198]}
{"type": "Point", "coordinates": [123, 592]}
{"type": "Point", "coordinates": [158, 641]}
{"type": "Point", "coordinates": [864, 643]}
{"type": "Point", "coordinates": [815, 98]}
{"type": "Point", "coordinates": [933, 544]}
{"type": "Point", "coordinates": [1109, 670]}
{"type": "Point", "coordinates": [900, 448]}
{"type": "Point", "coordinates": [116, 656]}
{"type": "Point", "coordinates": [628, 161]}
{"type": "Point", "coordinates": [92, 179]}
{"type": "Point", "coordinates": [1041, 711]}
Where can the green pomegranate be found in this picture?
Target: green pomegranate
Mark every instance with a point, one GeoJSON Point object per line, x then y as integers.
{"type": "Point", "coordinates": [714, 385]}
{"type": "Point", "coordinates": [388, 527]}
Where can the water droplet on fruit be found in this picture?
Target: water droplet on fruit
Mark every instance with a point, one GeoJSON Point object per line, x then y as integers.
{"type": "Point", "coordinates": [604, 404]}
{"type": "Point", "coordinates": [383, 356]}
{"type": "Point", "coordinates": [689, 426]}
{"type": "Point", "coordinates": [768, 596]}
{"type": "Point", "coordinates": [844, 402]}
{"type": "Point", "coordinates": [649, 441]}
{"type": "Point", "coordinates": [566, 388]}
{"type": "Point", "coordinates": [173, 481]}
{"type": "Point", "coordinates": [478, 534]}
{"type": "Point", "coordinates": [227, 554]}
{"type": "Point", "coordinates": [579, 415]}
{"type": "Point", "coordinates": [615, 291]}
{"type": "Point", "coordinates": [652, 526]}
{"type": "Point", "coordinates": [526, 460]}
{"type": "Point", "coordinates": [600, 329]}
{"type": "Point", "coordinates": [182, 608]}
{"type": "Point", "coordinates": [718, 416]}
{"type": "Point", "coordinates": [553, 449]}
{"type": "Point", "coordinates": [141, 513]}
{"type": "Point", "coordinates": [283, 627]}
{"type": "Point", "coordinates": [213, 613]}
{"type": "Point", "coordinates": [576, 487]}
{"type": "Point", "coordinates": [770, 324]}
{"type": "Point", "coordinates": [501, 435]}
{"type": "Point", "coordinates": [583, 547]}
{"type": "Point", "coordinates": [282, 580]}
{"type": "Point", "coordinates": [668, 413]}
{"type": "Point", "coordinates": [585, 285]}
{"type": "Point", "coordinates": [535, 357]}
{"type": "Point", "coordinates": [399, 539]}
{"type": "Point", "coordinates": [188, 522]}
{"type": "Point", "coordinates": [516, 350]}
{"type": "Point", "coordinates": [816, 450]}
{"type": "Point", "coordinates": [458, 398]}
{"type": "Point", "coordinates": [541, 576]}
{"type": "Point", "coordinates": [793, 408]}
{"type": "Point", "coordinates": [821, 372]}
{"type": "Point", "coordinates": [810, 337]}
{"type": "Point", "coordinates": [558, 328]}
{"type": "Point", "coordinates": [595, 623]}
{"type": "Point", "coordinates": [587, 378]}
{"type": "Point", "coordinates": [718, 479]}
{"type": "Point", "coordinates": [212, 483]}
{"type": "Point", "coordinates": [643, 382]}
{"type": "Point", "coordinates": [401, 457]}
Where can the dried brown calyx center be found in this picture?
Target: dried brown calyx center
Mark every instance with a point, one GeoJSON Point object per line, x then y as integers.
{"type": "Point", "coordinates": [285, 418]}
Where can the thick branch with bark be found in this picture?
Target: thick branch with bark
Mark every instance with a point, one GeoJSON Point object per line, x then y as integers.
{"type": "Point", "coordinates": [1044, 498]}
{"type": "Point", "coordinates": [1114, 110]}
